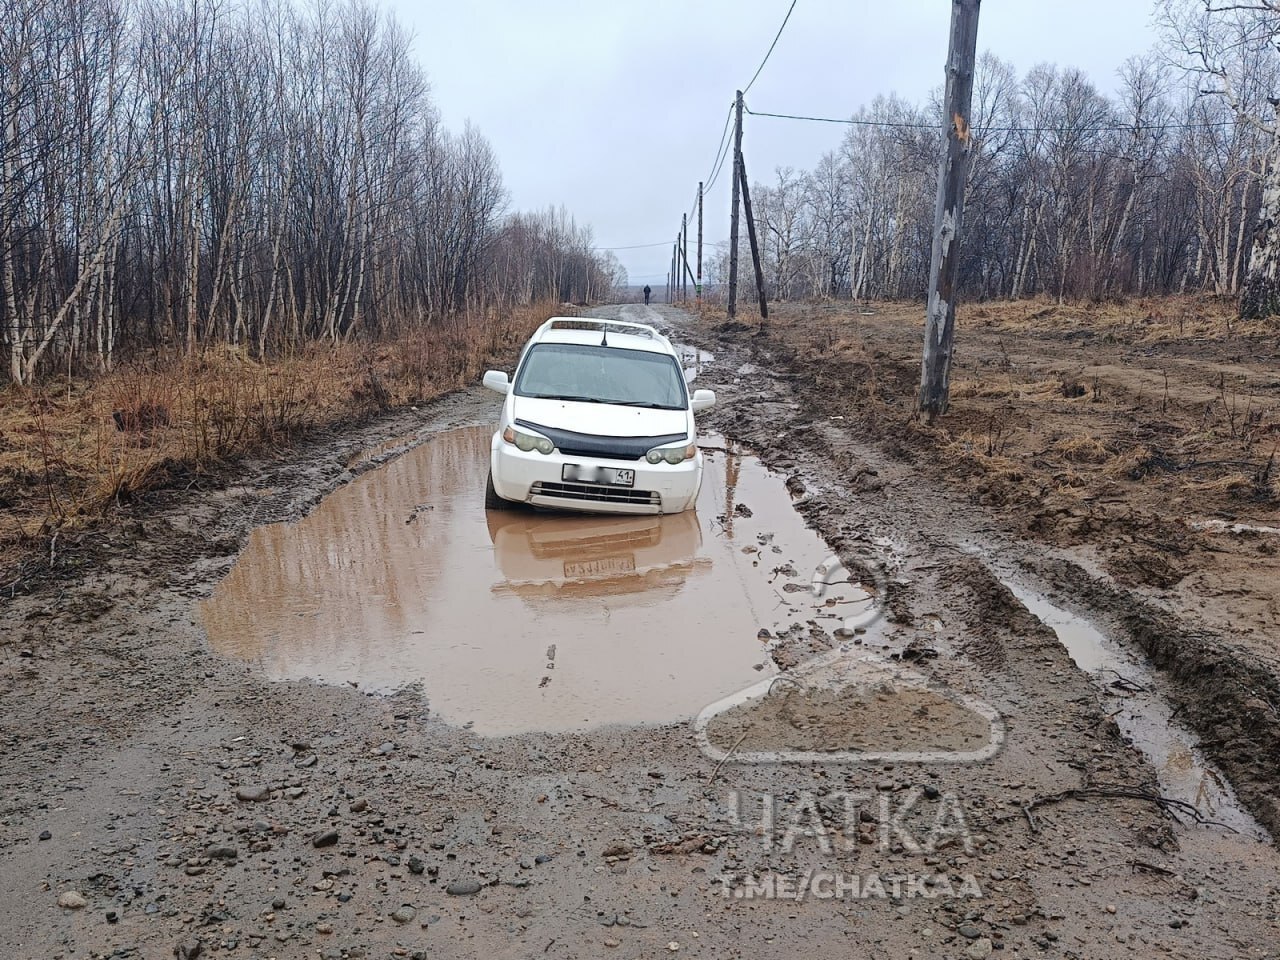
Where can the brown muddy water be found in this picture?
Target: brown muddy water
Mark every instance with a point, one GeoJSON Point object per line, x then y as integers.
{"type": "Point", "coordinates": [520, 621]}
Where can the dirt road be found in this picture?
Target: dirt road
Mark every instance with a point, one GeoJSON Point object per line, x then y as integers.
{"type": "Point", "coordinates": [911, 748]}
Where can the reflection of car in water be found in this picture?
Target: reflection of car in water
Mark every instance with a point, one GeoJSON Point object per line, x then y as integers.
{"type": "Point", "coordinates": [556, 555]}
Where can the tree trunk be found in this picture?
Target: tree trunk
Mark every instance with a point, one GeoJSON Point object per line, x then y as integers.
{"type": "Point", "coordinates": [1260, 294]}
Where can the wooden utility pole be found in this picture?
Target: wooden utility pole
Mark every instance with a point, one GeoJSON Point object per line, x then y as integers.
{"type": "Point", "coordinates": [674, 282]}
{"type": "Point", "coordinates": [940, 314]}
{"type": "Point", "coordinates": [684, 253]}
{"type": "Point", "coordinates": [675, 271]}
{"type": "Point", "coordinates": [733, 210]}
{"type": "Point", "coordinates": [697, 284]}
{"type": "Point", "coordinates": [751, 235]}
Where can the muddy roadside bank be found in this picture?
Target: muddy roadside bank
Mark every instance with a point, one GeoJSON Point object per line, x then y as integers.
{"type": "Point", "coordinates": [1211, 632]}
{"type": "Point", "coordinates": [188, 799]}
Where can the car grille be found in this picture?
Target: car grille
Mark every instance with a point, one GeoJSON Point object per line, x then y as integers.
{"type": "Point", "coordinates": [597, 492]}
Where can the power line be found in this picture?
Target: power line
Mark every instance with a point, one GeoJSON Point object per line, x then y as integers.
{"type": "Point", "coordinates": [747, 88]}
{"type": "Point", "coordinates": [721, 155]}
{"type": "Point", "coordinates": [718, 161]}
{"type": "Point", "coordinates": [913, 125]}
{"type": "Point", "coordinates": [636, 246]}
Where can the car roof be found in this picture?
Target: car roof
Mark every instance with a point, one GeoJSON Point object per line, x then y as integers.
{"type": "Point", "coordinates": [590, 331]}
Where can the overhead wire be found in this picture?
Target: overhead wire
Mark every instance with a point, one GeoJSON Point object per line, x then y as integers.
{"type": "Point", "coordinates": [770, 51]}
{"type": "Point", "coordinates": [915, 125]}
{"type": "Point", "coordinates": [635, 246]}
{"type": "Point", "coordinates": [722, 151]}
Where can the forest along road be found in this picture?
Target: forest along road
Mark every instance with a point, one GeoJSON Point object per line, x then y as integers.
{"type": "Point", "coordinates": [333, 709]}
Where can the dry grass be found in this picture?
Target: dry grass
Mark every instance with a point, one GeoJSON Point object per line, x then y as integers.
{"type": "Point", "coordinates": [1167, 404]}
{"type": "Point", "coordinates": [1142, 320]}
{"type": "Point", "coordinates": [69, 452]}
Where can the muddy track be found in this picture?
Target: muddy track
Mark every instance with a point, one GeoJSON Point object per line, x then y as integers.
{"type": "Point", "coordinates": [1227, 693]}
{"type": "Point", "coordinates": [192, 805]}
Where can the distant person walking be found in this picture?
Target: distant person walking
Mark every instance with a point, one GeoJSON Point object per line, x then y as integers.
{"type": "Point", "coordinates": [647, 291]}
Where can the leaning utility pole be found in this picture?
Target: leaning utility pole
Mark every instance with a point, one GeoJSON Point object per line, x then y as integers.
{"type": "Point", "coordinates": [733, 210]}
{"type": "Point", "coordinates": [940, 315]}
{"type": "Point", "coordinates": [684, 254]}
{"type": "Point", "coordinates": [697, 284]}
{"type": "Point", "coordinates": [741, 174]}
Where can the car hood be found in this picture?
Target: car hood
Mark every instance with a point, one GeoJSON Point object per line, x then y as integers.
{"type": "Point", "coordinates": [600, 419]}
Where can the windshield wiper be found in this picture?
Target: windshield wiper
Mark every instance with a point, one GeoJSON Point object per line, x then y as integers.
{"type": "Point", "coordinates": [647, 404]}
{"type": "Point", "coordinates": [566, 396]}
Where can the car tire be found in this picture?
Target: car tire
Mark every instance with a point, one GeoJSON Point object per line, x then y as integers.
{"type": "Point", "coordinates": [491, 499]}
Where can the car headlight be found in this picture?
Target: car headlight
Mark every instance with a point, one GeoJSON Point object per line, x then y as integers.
{"type": "Point", "coordinates": [527, 441]}
{"type": "Point", "coordinates": [672, 455]}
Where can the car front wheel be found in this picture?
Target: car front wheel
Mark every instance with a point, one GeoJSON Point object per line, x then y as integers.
{"type": "Point", "coordinates": [491, 499]}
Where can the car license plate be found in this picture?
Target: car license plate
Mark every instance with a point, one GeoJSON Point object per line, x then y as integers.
{"type": "Point", "coordinates": [611, 475]}
{"type": "Point", "coordinates": [598, 568]}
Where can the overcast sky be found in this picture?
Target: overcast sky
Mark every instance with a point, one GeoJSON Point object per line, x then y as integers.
{"type": "Point", "coordinates": [615, 108]}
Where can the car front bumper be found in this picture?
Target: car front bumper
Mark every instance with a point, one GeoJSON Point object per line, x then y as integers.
{"type": "Point", "coordinates": [537, 479]}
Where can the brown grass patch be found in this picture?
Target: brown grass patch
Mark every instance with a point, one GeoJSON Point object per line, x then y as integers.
{"type": "Point", "coordinates": [1083, 449]}
{"type": "Point", "coordinates": [68, 452]}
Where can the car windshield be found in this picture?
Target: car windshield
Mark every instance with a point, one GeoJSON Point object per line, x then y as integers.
{"type": "Point", "coordinates": [573, 371]}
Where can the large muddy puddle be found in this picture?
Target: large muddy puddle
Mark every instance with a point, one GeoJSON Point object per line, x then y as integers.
{"type": "Point", "coordinates": [519, 621]}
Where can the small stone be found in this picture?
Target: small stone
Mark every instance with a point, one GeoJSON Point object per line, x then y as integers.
{"type": "Point", "coordinates": [254, 793]}
{"type": "Point", "coordinates": [359, 805]}
{"type": "Point", "coordinates": [617, 850]}
{"type": "Point", "coordinates": [46, 835]}
{"type": "Point", "coordinates": [404, 914]}
{"type": "Point", "coordinates": [979, 949]}
{"type": "Point", "coordinates": [969, 932]}
{"type": "Point", "coordinates": [463, 888]}
{"type": "Point", "coordinates": [610, 942]}
{"type": "Point", "coordinates": [308, 761]}
{"type": "Point", "coordinates": [416, 866]}
{"type": "Point", "coordinates": [325, 838]}
{"type": "Point", "coordinates": [931, 792]}
{"type": "Point", "coordinates": [72, 900]}
{"type": "Point", "coordinates": [293, 793]}
{"type": "Point", "coordinates": [1111, 908]}
{"type": "Point", "coordinates": [386, 748]}
{"type": "Point", "coordinates": [673, 946]}
{"type": "Point", "coordinates": [188, 950]}
{"type": "Point", "coordinates": [221, 852]}
{"type": "Point", "coordinates": [325, 928]}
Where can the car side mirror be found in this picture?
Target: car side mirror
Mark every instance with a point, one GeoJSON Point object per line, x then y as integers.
{"type": "Point", "coordinates": [497, 381]}
{"type": "Point", "coordinates": [702, 399]}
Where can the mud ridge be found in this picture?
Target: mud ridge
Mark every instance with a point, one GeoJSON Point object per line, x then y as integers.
{"type": "Point", "coordinates": [1229, 698]}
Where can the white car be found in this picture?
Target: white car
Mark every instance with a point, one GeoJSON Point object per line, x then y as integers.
{"type": "Point", "coordinates": [598, 417]}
